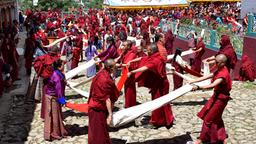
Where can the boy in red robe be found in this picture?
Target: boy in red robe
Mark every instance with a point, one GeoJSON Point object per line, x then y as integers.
{"type": "Point", "coordinates": [152, 74]}
{"type": "Point", "coordinates": [199, 51]}
{"type": "Point", "coordinates": [213, 129]}
{"type": "Point", "coordinates": [103, 94]}
{"type": "Point", "coordinates": [247, 70]}
{"type": "Point", "coordinates": [130, 88]}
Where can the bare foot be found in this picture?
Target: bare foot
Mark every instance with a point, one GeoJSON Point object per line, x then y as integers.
{"type": "Point", "coordinates": [198, 141]}
{"type": "Point", "coordinates": [225, 141]}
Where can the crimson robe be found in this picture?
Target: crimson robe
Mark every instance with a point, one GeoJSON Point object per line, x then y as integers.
{"type": "Point", "coordinates": [156, 80]}
{"type": "Point", "coordinates": [129, 86]}
{"type": "Point", "coordinates": [247, 70]}
{"type": "Point", "coordinates": [102, 88]}
{"type": "Point", "coordinates": [213, 129]}
{"type": "Point", "coordinates": [196, 65]}
{"type": "Point", "coordinates": [228, 50]}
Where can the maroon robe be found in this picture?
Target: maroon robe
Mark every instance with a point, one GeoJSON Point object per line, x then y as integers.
{"type": "Point", "coordinates": [110, 52]}
{"type": "Point", "coordinates": [10, 56]}
{"type": "Point", "coordinates": [169, 38]}
{"type": "Point", "coordinates": [213, 129]}
{"type": "Point", "coordinates": [1, 77]}
{"type": "Point", "coordinates": [228, 50]}
{"type": "Point", "coordinates": [28, 55]}
{"type": "Point", "coordinates": [102, 88]}
{"type": "Point", "coordinates": [177, 80]}
{"type": "Point", "coordinates": [196, 65]}
{"type": "Point", "coordinates": [76, 56]}
{"type": "Point", "coordinates": [129, 86]}
{"type": "Point", "coordinates": [247, 70]}
{"type": "Point", "coordinates": [156, 80]}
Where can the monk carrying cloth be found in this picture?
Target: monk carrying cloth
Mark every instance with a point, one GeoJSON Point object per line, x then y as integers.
{"type": "Point", "coordinates": [152, 74]}
{"type": "Point", "coordinates": [213, 129]}
{"type": "Point", "coordinates": [103, 94]}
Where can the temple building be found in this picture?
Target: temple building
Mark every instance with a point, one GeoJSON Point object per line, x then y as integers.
{"type": "Point", "coordinates": [8, 12]}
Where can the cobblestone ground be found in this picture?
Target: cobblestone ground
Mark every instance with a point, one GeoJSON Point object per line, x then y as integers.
{"type": "Point", "coordinates": [22, 123]}
{"type": "Point", "coordinates": [239, 118]}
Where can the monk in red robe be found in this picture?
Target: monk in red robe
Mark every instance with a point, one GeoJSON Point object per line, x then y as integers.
{"type": "Point", "coordinates": [29, 51]}
{"type": "Point", "coordinates": [228, 50]}
{"type": "Point", "coordinates": [213, 130]}
{"type": "Point", "coordinates": [103, 94]}
{"type": "Point", "coordinates": [199, 51]}
{"type": "Point", "coordinates": [152, 74]}
{"type": "Point", "coordinates": [160, 40]}
{"type": "Point", "coordinates": [76, 56]}
{"type": "Point", "coordinates": [247, 70]}
{"type": "Point", "coordinates": [10, 56]}
{"type": "Point", "coordinates": [129, 87]}
{"type": "Point", "coordinates": [110, 52]}
{"type": "Point", "coordinates": [1, 77]}
{"type": "Point", "coordinates": [169, 38]}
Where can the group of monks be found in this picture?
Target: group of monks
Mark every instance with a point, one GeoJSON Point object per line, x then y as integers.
{"type": "Point", "coordinates": [145, 57]}
{"type": "Point", "coordinates": [8, 55]}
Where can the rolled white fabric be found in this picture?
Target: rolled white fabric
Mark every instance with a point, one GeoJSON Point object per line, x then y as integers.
{"type": "Point", "coordinates": [125, 116]}
{"type": "Point", "coordinates": [79, 69]}
{"type": "Point", "coordinates": [81, 92]}
{"type": "Point", "coordinates": [190, 51]}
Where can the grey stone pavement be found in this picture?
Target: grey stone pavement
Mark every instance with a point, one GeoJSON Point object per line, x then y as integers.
{"type": "Point", "coordinates": [21, 123]}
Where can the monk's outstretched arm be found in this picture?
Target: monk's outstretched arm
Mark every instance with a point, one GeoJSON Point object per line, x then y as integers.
{"type": "Point", "coordinates": [141, 69]}
{"type": "Point", "coordinates": [201, 78]}
{"type": "Point", "coordinates": [109, 108]}
{"type": "Point", "coordinates": [212, 85]}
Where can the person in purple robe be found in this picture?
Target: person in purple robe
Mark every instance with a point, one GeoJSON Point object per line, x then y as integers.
{"type": "Point", "coordinates": [110, 52]}
{"type": "Point", "coordinates": [90, 52]}
{"type": "Point", "coordinates": [55, 97]}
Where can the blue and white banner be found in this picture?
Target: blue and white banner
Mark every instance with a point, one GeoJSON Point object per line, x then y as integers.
{"type": "Point", "coordinates": [143, 2]}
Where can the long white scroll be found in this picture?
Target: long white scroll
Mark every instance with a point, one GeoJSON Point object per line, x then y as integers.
{"type": "Point", "coordinates": [190, 51]}
{"type": "Point", "coordinates": [79, 69]}
{"type": "Point", "coordinates": [81, 92]}
{"type": "Point", "coordinates": [125, 116]}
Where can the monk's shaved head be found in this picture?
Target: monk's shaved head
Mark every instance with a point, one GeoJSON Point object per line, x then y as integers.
{"type": "Point", "coordinates": [221, 58]}
{"type": "Point", "coordinates": [154, 48]}
{"type": "Point", "coordinates": [109, 63]}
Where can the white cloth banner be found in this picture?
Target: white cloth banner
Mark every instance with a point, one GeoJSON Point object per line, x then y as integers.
{"type": "Point", "coordinates": [125, 116]}
{"type": "Point", "coordinates": [79, 69]}
{"type": "Point", "coordinates": [190, 51]}
{"type": "Point", "coordinates": [81, 92]}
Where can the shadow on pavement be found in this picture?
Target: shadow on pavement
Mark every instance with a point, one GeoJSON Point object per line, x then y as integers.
{"type": "Point", "coordinates": [189, 103]}
{"type": "Point", "coordinates": [182, 139]}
